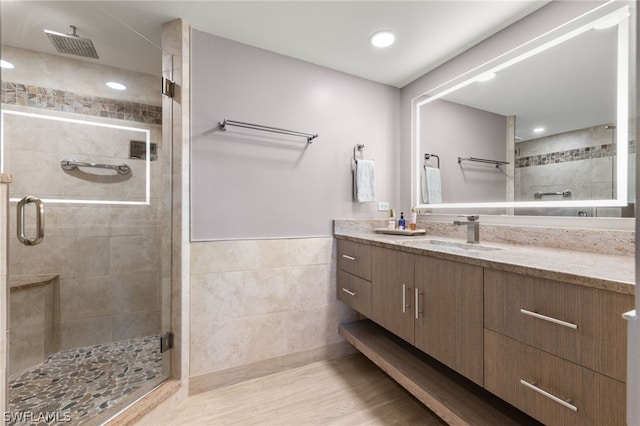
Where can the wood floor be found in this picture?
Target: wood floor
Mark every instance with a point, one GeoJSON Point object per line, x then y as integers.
{"type": "Point", "coordinates": [351, 391]}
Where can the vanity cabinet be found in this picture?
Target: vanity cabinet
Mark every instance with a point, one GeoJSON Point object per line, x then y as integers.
{"type": "Point", "coordinates": [434, 304]}
{"type": "Point", "coordinates": [392, 302]}
{"type": "Point", "coordinates": [353, 285]}
{"type": "Point", "coordinates": [554, 350]}
{"type": "Point", "coordinates": [449, 319]}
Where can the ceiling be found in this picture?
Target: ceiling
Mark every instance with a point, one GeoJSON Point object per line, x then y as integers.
{"type": "Point", "coordinates": [333, 34]}
{"type": "Point", "coordinates": [567, 87]}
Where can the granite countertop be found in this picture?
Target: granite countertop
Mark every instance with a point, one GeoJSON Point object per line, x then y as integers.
{"type": "Point", "coordinates": [607, 272]}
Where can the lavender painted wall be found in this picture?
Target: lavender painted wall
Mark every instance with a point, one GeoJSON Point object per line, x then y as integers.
{"type": "Point", "coordinates": [248, 184]}
{"type": "Point", "coordinates": [483, 135]}
{"type": "Point", "coordinates": [542, 20]}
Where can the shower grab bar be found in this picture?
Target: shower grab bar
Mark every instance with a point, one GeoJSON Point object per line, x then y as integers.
{"type": "Point", "coordinates": [565, 194]}
{"type": "Point", "coordinates": [498, 163]}
{"type": "Point", "coordinates": [224, 123]}
{"type": "Point", "coordinates": [39, 221]}
{"type": "Point", "coordinates": [71, 164]}
{"type": "Point", "coordinates": [427, 156]}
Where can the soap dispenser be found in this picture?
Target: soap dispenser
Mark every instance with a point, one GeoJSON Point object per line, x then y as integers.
{"type": "Point", "coordinates": [402, 224]}
{"type": "Point", "coordinates": [413, 219]}
{"type": "Point", "coordinates": [392, 219]}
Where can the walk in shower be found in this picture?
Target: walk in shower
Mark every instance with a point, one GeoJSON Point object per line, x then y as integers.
{"type": "Point", "coordinates": [89, 241]}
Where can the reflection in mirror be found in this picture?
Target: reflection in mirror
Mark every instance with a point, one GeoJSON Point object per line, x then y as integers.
{"type": "Point", "coordinates": [542, 130]}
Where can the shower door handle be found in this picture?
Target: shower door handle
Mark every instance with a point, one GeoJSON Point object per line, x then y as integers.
{"type": "Point", "coordinates": [39, 221]}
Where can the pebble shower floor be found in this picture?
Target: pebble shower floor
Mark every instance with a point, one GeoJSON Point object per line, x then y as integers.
{"type": "Point", "coordinates": [74, 386]}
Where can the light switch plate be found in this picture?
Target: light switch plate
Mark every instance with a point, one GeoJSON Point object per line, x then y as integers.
{"type": "Point", "coordinates": [383, 206]}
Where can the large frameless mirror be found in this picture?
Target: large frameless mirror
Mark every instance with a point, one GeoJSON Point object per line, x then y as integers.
{"type": "Point", "coordinates": [543, 129]}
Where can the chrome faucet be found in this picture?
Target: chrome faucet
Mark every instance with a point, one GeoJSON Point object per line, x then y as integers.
{"type": "Point", "coordinates": [473, 228]}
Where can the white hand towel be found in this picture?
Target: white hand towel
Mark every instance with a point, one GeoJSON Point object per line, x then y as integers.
{"type": "Point", "coordinates": [365, 181]}
{"type": "Point", "coordinates": [431, 185]}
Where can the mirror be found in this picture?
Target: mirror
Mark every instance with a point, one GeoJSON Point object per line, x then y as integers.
{"type": "Point", "coordinates": [543, 129]}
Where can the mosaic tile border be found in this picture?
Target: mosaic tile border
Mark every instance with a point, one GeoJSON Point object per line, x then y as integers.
{"type": "Point", "coordinates": [597, 151]}
{"type": "Point", "coordinates": [78, 103]}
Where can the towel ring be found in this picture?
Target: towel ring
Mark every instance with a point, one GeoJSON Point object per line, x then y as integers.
{"type": "Point", "coordinates": [358, 147]}
{"type": "Point", "coordinates": [428, 156]}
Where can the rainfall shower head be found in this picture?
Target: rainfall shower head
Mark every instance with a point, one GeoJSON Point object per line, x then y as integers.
{"type": "Point", "coordinates": [72, 44]}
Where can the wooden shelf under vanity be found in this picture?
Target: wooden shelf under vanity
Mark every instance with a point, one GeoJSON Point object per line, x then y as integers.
{"type": "Point", "coordinates": [453, 398]}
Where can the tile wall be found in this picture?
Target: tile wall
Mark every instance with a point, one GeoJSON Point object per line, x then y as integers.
{"type": "Point", "coordinates": [259, 300]}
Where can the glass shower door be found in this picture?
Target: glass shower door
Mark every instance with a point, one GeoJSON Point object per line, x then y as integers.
{"type": "Point", "coordinates": [87, 301]}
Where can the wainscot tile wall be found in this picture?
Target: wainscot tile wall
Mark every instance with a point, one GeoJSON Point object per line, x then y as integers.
{"type": "Point", "coordinates": [259, 306]}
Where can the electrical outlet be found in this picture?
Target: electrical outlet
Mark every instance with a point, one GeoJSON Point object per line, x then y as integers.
{"type": "Point", "coordinates": [383, 206]}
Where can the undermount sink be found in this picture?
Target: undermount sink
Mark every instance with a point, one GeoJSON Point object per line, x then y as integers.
{"type": "Point", "coordinates": [448, 246]}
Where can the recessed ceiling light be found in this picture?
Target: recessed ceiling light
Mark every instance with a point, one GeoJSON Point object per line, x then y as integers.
{"type": "Point", "coordinates": [486, 76]}
{"type": "Point", "coordinates": [5, 64]}
{"type": "Point", "coordinates": [116, 86]}
{"type": "Point", "coordinates": [538, 130]}
{"type": "Point", "coordinates": [382, 39]}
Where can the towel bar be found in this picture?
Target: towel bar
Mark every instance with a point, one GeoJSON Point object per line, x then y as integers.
{"type": "Point", "coordinates": [224, 123]}
{"type": "Point", "coordinates": [498, 163]}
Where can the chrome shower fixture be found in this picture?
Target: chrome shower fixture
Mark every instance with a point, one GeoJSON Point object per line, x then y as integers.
{"type": "Point", "coordinates": [72, 44]}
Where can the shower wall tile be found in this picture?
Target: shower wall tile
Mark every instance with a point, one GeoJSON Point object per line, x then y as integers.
{"type": "Point", "coordinates": [85, 332]}
{"type": "Point", "coordinates": [82, 142]}
{"type": "Point", "coordinates": [28, 325]}
{"type": "Point", "coordinates": [82, 256]}
{"type": "Point", "coordinates": [85, 298]}
{"type": "Point", "coordinates": [602, 170]}
{"type": "Point", "coordinates": [253, 301]}
{"type": "Point", "coordinates": [134, 254]}
{"type": "Point", "coordinates": [134, 292]}
{"type": "Point", "coordinates": [135, 324]}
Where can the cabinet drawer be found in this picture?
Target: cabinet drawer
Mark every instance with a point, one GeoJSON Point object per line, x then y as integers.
{"type": "Point", "coordinates": [354, 292]}
{"type": "Point", "coordinates": [580, 324]}
{"type": "Point", "coordinates": [355, 258]}
{"type": "Point", "coordinates": [548, 388]}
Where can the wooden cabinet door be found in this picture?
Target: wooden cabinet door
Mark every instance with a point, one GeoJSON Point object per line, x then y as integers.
{"type": "Point", "coordinates": [449, 323]}
{"type": "Point", "coordinates": [391, 291]}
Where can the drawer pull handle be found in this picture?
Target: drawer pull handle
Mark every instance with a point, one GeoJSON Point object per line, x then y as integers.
{"type": "Point", "coordinates": [550, 319]}
{"type": "Point", "coordinates": [417, 304]}
{"type": "Point", "coordinates": [349, 292]}
{"type": "Point", "coordinates": [348, 257]}
{"type": "Point", "coordinates": [532, 386]}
